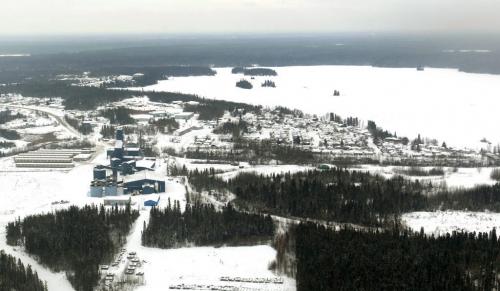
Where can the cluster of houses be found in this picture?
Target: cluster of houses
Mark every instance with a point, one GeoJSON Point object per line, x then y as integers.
{"type": "Point", "coordinates": [210, 143]}
{"type": "Point", "coordinates": [87, 80]}
{"type": "Point", "coordinates": [332, 140]}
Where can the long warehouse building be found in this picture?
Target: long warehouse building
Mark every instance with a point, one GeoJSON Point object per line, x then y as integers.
{"type": "Point", "coordinates": [47, 158]}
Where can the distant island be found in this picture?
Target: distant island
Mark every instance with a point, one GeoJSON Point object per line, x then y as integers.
{"type": "Point", "coordinates": [254, 71]}
{"type": "Point", "coordinates": [244, 84]}
{"type": "Point", "coordinates": [269, 83]}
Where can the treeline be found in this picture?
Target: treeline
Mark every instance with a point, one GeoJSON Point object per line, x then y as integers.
{"type": "Point", "coordinates": [343, 195]}
{"type": "Point", "coordinates": [257, 152]}
{"type": "Point", "coordinates": [395, 260]}
{"type": "Point", "coordinates": [15, 276]}
{"type": "Point", "coordinates": [215, 109]}
{"type": "Point", "coordinates": [165, 125]}
{"type": "Point", "coordinates": [87, 98]}
{"type": "Point", "coordinates": [377, 133]}
{"type": "Point", "coordinates": [334, 195]}
{"type": "Point", "coordinates": [203, 225]}
{"type": "Point", "coordinates": [152, 74]}
{"type": "Point", "coordinates": [119, 115]}
{"type": "Point", "coordinates": [6, 116]}
{"type": "Point", "coordinates": [265, 151]}
{"type": "Point", "coordinates": [206, 111]}
{"type": "Point", "coordinates": [281, 111]}
{"type": "Point", "coordinates": [76, 124]}
{"type": "Point", "coordinates": [7, 144]}
{"type": "Point", "coordinates": [75, 97]}
{"type": "Point", "coordinates": [349, 121]}
{"type": "Point", "coordinates": [75, 240]}
{"type": "Point", "coordinates": [236, 129]}
{"type": "Point", "coordinates": [202, 180]}
{"type": "Point", "coordinates": [9, 134]}
{"type": "Point", "coordinates": [419, 171]}
{"type": "Point", "coordinates": [478, 198]}
{"type": "Point", "coordinates": [254, 71]}
{"type": "Point", "coordinates": [108, 131]}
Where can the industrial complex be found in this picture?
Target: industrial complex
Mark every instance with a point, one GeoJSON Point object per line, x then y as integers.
{"type": "Point", "coordinates": [128, 172]}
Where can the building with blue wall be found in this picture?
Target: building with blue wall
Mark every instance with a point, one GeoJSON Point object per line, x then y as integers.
{"type": "Point", "coordinates": [144, 183]}
{"type": "Point", "coordinates": [152, 202]}
{"type": "Point", "coordinates": [127, 173]}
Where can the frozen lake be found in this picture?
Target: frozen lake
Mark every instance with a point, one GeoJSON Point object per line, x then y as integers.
{"type": "Point", "coordinates": [455, 107]}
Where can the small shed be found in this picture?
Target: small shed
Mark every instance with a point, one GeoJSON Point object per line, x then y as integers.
{"type": "Point", "coordinates": [152, 202]}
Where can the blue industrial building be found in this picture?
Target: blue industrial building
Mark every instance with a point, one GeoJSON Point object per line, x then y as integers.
{"type": "Point", "coordinates": [136, 173]}
{"type": "Point", "coordinates": [144, 182]}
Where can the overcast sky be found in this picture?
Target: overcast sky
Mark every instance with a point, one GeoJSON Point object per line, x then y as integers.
{"type": "Point", "coordinates": [245, 16]}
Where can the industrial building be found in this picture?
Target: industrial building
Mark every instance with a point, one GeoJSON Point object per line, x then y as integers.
{"type": "Point", "coordinates": [144, 182]}
{"type": "Point", "coordinates": [52, 158]}
{"type": "Point", "coordinates": [182, 131]}
{"type": "Point", "coordinates": [128, 172]}
{"type": "Point", "coordinates": [117, 201]}
{"type": "Point", "coordinates": [184, 115]}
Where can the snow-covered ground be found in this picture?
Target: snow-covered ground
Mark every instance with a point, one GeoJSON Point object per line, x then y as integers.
{"type": "Point", "coordinates": [453, 178]}
{"type": "Point", "coordinates": [167, 141]}
{"type": "Point", "coordinates": [203, 265]}
{"type": "Point", "coordinates": [442, 222]}
{"type": "Point", "coordinates": [26, 193]}
{"type": "Point", "coordinates": [32, 192]}
{"type": "Point", "coordinates": [452, 106]}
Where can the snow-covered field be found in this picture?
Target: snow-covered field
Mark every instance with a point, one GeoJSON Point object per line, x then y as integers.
{"type": "Point", "coordinates": [203, 265]}
{"type": "Point", "coordinates": [442, 222]}
{"type": "Point", "coordinates": [26, 193]}
{"type": "Point", "coordinates": [452, 106]}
